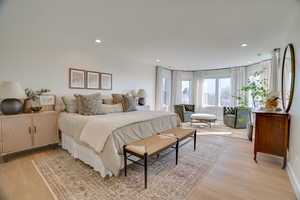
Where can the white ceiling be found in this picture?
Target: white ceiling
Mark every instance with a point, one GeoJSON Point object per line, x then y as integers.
{"type": "Point", "coordinates": [184, 34]}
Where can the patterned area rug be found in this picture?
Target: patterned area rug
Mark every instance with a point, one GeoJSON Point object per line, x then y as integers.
{"type": "Point", "coordinates": [217, 128]}
{"type": "Point", "coordinates": [69, 178]}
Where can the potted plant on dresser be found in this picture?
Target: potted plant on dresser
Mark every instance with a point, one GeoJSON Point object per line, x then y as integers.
{"type": "Point", "coordinates": [31, 103]}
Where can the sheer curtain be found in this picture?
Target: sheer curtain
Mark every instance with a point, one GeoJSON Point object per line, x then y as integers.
{"type": "Point", "coordinates": [274, 72]}
{"type": "Point", "coordinates": [197, 89]}
{"type": "Point", "coordinates": [238, 80]}
{"type": "Point", "coordinates": [163, 89]}
{"type": "Point", "coordinates": [176, 87]}
{"type": "Point", "coordinates": [265, 67]}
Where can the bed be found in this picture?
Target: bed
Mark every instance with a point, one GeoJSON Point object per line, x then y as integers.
{"type": "Point", "coordinates": [98, 140]}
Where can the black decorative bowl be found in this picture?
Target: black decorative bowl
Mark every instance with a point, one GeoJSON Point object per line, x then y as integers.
{"type": "Point", "coordinates": [36, 108]}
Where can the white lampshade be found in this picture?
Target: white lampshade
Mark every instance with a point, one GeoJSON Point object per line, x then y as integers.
{"type": "Point", "coordinates": [11, 90]}
{"type": "Point", "coordinates": [133, 93]}
{"type": "Point", "coordinates": [141, 93]}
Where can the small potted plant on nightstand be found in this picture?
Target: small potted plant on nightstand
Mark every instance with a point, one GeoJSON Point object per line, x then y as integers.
{"type": "Point", "coordinates": [31, 104]}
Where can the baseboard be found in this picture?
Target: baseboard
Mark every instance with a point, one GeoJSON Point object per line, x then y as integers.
{"type": "Point", "coordinates": [294, 181]}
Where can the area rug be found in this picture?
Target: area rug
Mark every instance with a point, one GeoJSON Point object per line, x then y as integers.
{"type": "Point", "coordinates": [71, 179]}
{"type": "Point", "coordinates": [217, 128]}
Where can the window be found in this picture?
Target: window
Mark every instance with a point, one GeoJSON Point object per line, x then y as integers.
{"type": "Point", "coordinates": [164, 97]}
{"type": "Point", "coordinates": [216, 92]}
{"type": "Point", "coordinates": [186, 91]}
{"type": "Point", "coordinates": [209, 92]}
{"type": "Point", "coordinates": [224, 92]}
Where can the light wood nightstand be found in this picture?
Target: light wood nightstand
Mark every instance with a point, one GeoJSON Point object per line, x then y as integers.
{"type": "Point", "coordinates": [26, 131]}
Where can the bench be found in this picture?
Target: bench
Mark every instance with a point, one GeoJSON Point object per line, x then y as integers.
{"type": "Point", "coordinates": [155, 144]}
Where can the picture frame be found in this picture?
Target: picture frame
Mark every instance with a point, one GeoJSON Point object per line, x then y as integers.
{"type": "Point", "coordinates": [47, 100]}
{"type": "Point", "coordinates": [106, 81]}
{"type": "Point", "coordinates": [93, 80]}
{"type": "Point", "coordinates": [77, 78]}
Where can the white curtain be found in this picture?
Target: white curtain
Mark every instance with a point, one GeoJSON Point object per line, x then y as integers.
{"type": "Point", "coordinates": [264, 66]}
{"type": "Point", "coordinates": [238, 80]}
{"type": "Point", "coordinates": [274, 72]}
{"type": "Point", "coordinates": [197, 88]}
{"type": "Point", "coordinates": [163, 89]}
{"type": "Point", "coordinates": [176, 87]}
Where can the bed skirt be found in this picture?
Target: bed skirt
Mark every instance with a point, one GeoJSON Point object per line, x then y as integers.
{"type": "Point", "coordinates": [85, 154]}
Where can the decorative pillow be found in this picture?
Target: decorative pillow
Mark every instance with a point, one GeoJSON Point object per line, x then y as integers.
{"type": "Point", "coordinates": [59, 105]}
{"type": "Point", "coordinates": [130, 103]}
{"type": "Point", "coordinates": [70, 103]}
{"type": "Point", "coordinates": [112, 108]}
{"type": "Point", "coordinates": [117, 98]}
{"type": "Point", "coordinates": [108, 101]}
{"type": "Point", "coordinates": [89, 104]}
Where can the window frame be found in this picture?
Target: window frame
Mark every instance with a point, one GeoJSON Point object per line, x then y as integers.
{"type": "Point", "coordinates": [217, 91]}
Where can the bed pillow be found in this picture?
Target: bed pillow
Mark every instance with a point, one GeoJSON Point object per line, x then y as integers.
{"type": "Point", "coordinates": [118, 98]}
{"type": "Point", "coordinates": [59, 105]}
{"type": "Point", "coordinates": [108, 101]}
{"type": "Point", "coordinates": [130, 103]}
{"type": "Point", "coordinates": [112, 108]}
{"type": "Point", "coordinates": [70, 103]}
{"type": "Point", "coordinates": [89, 104]}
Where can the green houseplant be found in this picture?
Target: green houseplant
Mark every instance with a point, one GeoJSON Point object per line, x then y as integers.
{"type": "Point", "coordinates": [32, 98]}
{"type": "Point", "coordinates": [256, 89]}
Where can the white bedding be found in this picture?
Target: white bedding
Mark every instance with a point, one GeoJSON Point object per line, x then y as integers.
{"type": "Point", "coordinates": [134, 129]}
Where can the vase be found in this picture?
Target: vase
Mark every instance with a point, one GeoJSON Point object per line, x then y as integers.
{"type": "Point", "coordinates": [27, 106]}
{"type": "Point", "coordinates": [271, 105]}
{"type": "Point", "coordinates": [11, 106]}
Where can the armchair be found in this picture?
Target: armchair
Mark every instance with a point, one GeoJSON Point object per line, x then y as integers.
{"type": "Point", "coordinates": [236, 117]}
{"type": "Point", "coordinates": [184, 111]}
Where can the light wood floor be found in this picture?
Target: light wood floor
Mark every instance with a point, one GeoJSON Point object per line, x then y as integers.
{"type": "Point", "coordinates": [234, 176]}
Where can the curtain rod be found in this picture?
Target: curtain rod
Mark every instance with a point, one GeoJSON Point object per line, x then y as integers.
{"type": "Point", "coordinates": [215, 69]}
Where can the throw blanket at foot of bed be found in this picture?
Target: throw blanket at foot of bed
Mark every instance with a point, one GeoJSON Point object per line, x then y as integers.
{"type": "Point", "coordinates": [97, 130]}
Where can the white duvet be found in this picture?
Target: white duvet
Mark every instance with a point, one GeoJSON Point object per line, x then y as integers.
{"type": "Point", "coordinates": [97, 130]}
{"type": "Point", "coordinates": [106, 134]}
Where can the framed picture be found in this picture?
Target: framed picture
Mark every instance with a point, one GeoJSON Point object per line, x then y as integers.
{"type": "Point", "coordinates": [76, 78]}
{"type": "Point", "coordinates": [106, 81]}
{"type": "Point", "coordinates": [47, 100]}
{"type": "Point", "coordinates": [93, 80]}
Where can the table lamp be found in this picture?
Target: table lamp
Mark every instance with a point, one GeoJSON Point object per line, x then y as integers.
{"type": "Point", "coordinates": [141, 94]}
{"type": "Point", "coordinates": [11, 92]}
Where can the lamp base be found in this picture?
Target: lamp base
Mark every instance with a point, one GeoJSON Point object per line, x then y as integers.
{"type": "Point", "coordinates": [141, 101]}
{"type": "Point", "coordinates": [11, 106]}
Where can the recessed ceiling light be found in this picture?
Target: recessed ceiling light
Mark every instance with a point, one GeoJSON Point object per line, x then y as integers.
{"type": "Point", "coordinates": [158, 60]}
{"type": "Point", "coordinates": [244, 45]}
{"type": "Point", "coordinates": [98, 41]}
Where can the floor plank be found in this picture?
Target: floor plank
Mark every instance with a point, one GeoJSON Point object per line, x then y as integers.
{"type": "Point", "coordinates": [235, 176]}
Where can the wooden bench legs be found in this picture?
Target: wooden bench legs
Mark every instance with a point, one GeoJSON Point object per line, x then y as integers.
{"type": "Point", "coordinates": [195, 140]}
{"type": "Point", "coordinates": [146, 168]}
{"type": "Point", "coordinates": [125, 160]}
{"type": "Point", "coordinates": [145, 158]}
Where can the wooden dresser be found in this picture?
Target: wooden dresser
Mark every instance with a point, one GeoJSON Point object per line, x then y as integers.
{"type": "Point", "coordinates": [271, 134]}
{"type": "Point", "coordinates": [26, 131]}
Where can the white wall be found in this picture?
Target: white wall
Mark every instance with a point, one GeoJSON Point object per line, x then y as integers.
{"type": "Point", "coordinates": [37, 49]}
{"type": "Point", "coordinates": [294, 152]}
